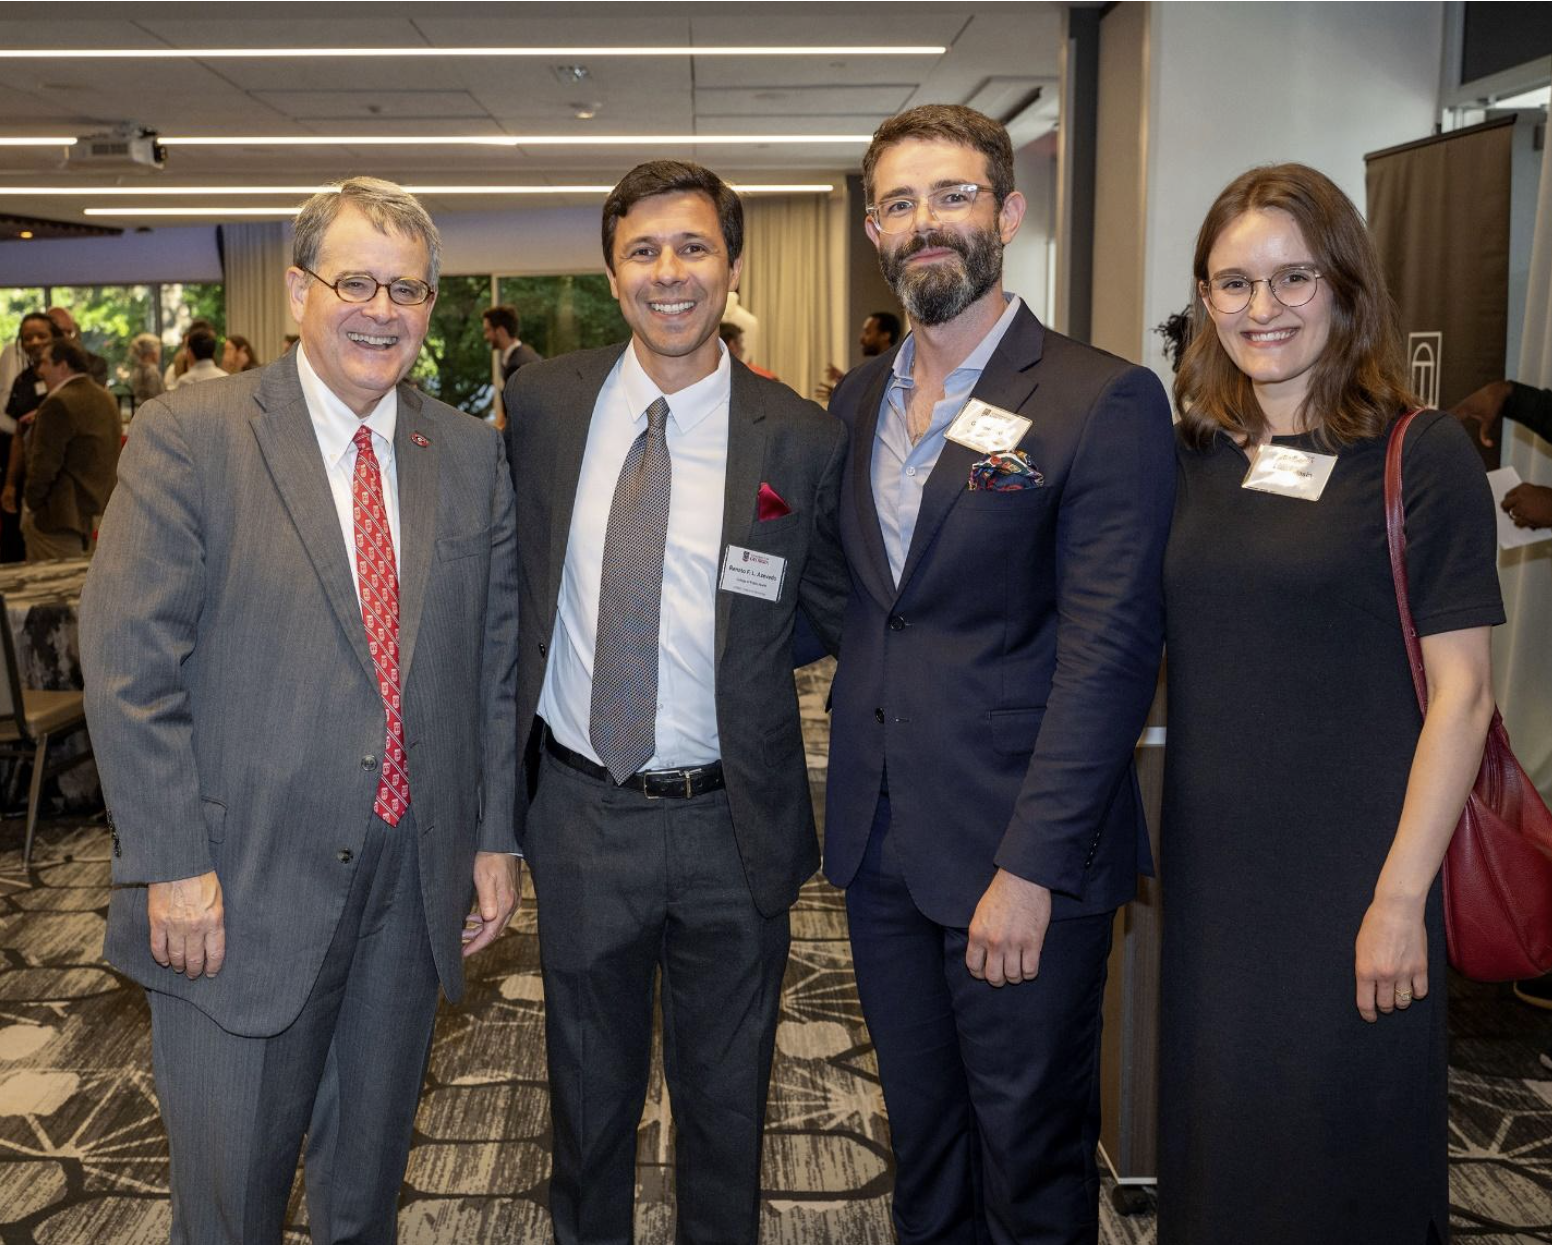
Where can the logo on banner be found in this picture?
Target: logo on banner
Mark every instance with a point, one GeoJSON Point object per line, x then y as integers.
{"type": "Point", "coordinates": [1425, 353]}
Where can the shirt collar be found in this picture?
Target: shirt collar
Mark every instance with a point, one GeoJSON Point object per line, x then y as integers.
{"type": "Point", "coordinates": [335, 423]}
{"type": "Point", "coordinates": [690, 405]}
{"type": "Point", "coordinates": [66, 381]}
{"type": "Point", "coordinates": [976, 360]}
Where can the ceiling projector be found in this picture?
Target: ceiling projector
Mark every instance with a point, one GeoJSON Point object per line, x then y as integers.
{"type": "Point", "coordinates": [125, 147]}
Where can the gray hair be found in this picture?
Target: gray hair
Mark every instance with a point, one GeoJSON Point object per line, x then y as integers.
{"type": "Point", "coordinates": [389, 207]}
{"type": "Point", "coordinates": [140, 345]}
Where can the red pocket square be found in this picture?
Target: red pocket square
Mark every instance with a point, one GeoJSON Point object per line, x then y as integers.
{"type": "Point", "coordinates": [771, 504]}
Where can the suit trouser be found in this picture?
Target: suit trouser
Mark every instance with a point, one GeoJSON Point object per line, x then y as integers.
{"type": "Point", "coordinates": [346, 1073]}
{"type": "Point", "coordinates": [627, 886]}
{"type": "Point", "coordinates": [993, 1094]}
{"type": "Point", "coordinates": [46, 546]}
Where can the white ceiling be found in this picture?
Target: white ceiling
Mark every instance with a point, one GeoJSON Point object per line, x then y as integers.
{"type": "Point", "coordinates": [996, 51]}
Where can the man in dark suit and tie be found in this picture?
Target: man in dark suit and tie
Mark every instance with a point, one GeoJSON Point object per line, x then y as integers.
{"type": "Point", "coordinates": [1007, 499]}
{"type": "Point", "coordinates": [674, 513]}
{"type": "Point", "coordinates": [299, 642]}
{"type": "Point", "coordinates": [501, 328]}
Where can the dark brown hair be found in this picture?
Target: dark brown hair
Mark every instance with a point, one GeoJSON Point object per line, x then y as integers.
{"type": "Point", "coordinates": [242, 343]}
{"type": "Point", "coordinates": [1359, 383]}
{"type": "Point", "coordinates": [663, 177]}
{"type": "Point", "coordinates": [953, 123]}
{"type": "Point", "coordinates": [72, 354]}
{"type": "Point", "coordinates": [503, 316]}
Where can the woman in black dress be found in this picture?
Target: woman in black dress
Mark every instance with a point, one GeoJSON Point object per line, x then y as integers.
{"type": "Point", "coordinates": [1308, 803]}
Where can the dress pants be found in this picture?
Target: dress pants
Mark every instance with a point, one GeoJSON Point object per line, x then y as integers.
{"type": "Point", "coordinates": [628, 886]}
{"type": "Point", "coordinates": [346, 1073]}
{"type": "Point", "coordinates": [992, 1094]}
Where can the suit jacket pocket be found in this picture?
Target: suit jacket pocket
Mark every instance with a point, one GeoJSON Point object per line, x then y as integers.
{"type": "Point", "coordinates": [1022, 501]}
{"type": "Point", "coordinates": [451, 548]}
{"type": "Point", "coordinates": [1014, 731]}
{"type": "Point", "coordinates": [765, 527]}
{"type": "Point", "coordinates": [215, 819]}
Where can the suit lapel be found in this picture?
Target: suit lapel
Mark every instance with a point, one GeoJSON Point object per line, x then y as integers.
{"type": "Point", "coordinates": [874, 566]}
{"type": "Point", "coordinates": [570, 428]}
{"type": "Point", "coordinates": [417, 470]}
{"type": "Point", "coordinates": [741, 482]}
{"type": "Point", "coordinates": [284, 431]}
{"type": "Point", "coordinates": [1007, 381]}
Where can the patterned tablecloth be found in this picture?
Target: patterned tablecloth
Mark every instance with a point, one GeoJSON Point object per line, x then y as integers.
{"type": "Point", "coordinates": [42, 602]}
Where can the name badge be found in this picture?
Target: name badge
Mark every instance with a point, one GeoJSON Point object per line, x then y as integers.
{"type": "Point", "coordinates": [750, 573]}
{"type": "Point", "coordinates": [986, 428]}
{"type": "Point", "coordinates": [1289, 472]}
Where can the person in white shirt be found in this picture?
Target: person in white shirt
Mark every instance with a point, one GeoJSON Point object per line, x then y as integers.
{"type": "Point", "coordinates": [201, 346]}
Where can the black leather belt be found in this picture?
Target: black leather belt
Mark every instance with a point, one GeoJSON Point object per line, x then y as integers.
{"type": "Point", "coordinates": [656, 784]}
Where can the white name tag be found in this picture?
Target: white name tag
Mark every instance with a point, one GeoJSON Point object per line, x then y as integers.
{"type": "Point", "coordinates": [987, 428]}
{"type": "Point", "coordinates": [1289, 472]}
{"type": "Point", "coordinates": [751, 573]}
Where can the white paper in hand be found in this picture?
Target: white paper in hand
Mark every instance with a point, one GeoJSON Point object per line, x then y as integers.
{"type": "Point", "coordinates": [1509, 536]}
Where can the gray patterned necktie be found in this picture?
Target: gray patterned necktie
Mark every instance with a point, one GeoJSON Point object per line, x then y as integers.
{"type": "Point", "coordinates": [630, 604]}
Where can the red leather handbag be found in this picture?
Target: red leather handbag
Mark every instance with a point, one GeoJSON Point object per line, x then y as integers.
{"type": "Point", "coordinates": [1498, 869]}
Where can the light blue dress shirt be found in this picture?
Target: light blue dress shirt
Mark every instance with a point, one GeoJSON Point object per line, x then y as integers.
{"type": "Point", "coordinates": [900, 469]}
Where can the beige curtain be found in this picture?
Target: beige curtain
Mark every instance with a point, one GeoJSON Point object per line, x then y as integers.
{"type": "Point", "coordinates": [794, 285]}
{"type": "Point", "coordinates": [1522, 650]}
{"type": "Point", "coordinates": [255, 257]}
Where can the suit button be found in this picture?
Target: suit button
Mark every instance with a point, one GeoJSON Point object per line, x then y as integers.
{"type": "Point", "coordinates": [345, 855]}
{"type": "Point", "coordinates": [543, 650]}
{"type": "Point", "coordinates": [878, 716]}
{"type": "Point", "coordinates": [897, 623]}
{"type": "Point", "coordinates": [368, 762]}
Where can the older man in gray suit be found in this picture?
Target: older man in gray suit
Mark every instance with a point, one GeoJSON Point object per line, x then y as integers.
{"type": "Point", "coordinates": [299, 641]}
{"type": "Point", "coordinates": [675, 512]}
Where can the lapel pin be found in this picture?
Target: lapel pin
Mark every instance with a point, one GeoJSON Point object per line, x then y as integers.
{"type": "Point", "coordinates": [419, 440]}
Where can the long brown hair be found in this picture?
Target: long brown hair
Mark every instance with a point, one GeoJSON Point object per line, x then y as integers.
{"type": "Point", "coordinates": [1359, 383]}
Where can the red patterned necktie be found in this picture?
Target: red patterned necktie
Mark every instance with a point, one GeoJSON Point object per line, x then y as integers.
{"type": "Point", "coordinates": [379, 587]}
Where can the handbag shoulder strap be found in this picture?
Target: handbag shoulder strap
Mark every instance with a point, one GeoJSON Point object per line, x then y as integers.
{"type": "Point", "coordinates": [1395, 534]}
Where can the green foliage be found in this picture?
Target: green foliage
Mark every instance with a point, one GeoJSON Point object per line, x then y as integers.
{"type": "Point", "coordinates": [561, 314]}
{"type": "Point", "coordinates": [454, 364]}
{"type": "Point", "coordinates": [14, 304]}
{"type": "Point", "coordinates": [183, 304]}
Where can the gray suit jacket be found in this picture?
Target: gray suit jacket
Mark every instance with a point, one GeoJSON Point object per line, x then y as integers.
{"type": "Point", "coordinates": [776, 438]}
{"type": "Point", "coordinates": [232, 700]}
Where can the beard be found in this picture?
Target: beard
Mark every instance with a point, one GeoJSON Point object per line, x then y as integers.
{"type": "Point", "coordinates": [936, 293]}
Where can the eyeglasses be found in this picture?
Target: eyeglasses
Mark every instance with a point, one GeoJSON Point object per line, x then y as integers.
{"type": "Point", "coordinates": [945, 205]}
{"type": "Point", "coordinates": [359, 287]}
{"type": "Point", "coordinates": [1292, 287]}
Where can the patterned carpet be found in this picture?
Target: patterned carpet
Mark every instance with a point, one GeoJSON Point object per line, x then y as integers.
{"type": "Point", "coordinates": [83, 1157]}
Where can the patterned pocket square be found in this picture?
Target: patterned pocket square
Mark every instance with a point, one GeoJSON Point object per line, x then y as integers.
{"type": "Point", "coordinates": [1004, 473]}
{"type": "Point", "coordinates": [771, 504]}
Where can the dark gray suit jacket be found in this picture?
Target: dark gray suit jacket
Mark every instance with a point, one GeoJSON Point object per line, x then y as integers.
{"type": "Point", "coordinates": [774, 437]}
{"type": "Point", "coordinates": [232, 699]}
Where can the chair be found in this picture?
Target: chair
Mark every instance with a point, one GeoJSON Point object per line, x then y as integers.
{"type": "Point", "coordinates": [29, 720]}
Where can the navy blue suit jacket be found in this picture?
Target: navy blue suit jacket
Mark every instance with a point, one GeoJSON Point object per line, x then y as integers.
{"type": "Point", "coordinates": [1004, 683]}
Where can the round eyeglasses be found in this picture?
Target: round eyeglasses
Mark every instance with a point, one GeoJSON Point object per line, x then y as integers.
{"type": "Point", "coordinates": [360, 287]}
{"type": "Point", "coordinates": [1292, 287]}
{"type": "Point", "coordinates": [945, 205]}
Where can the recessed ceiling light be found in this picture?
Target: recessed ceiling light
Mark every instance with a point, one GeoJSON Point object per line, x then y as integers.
{"type": "Point", "coordinates": [88, 192]}
{"type": "Point", "coordinates": [25, 233]}
{"type": "Point", "coordinates": [550, 52]}
{"type": "Point", "coordinates": [506, 140]}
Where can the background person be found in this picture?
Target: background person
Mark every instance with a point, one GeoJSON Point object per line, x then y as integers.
{"type": "Point", "coordinates": [1307, 803]}
{"type": "Point", "coordinates": [1529, 505]}
{"type": "Point", "coordinates": [72, 457]}
{"type": "Point", "coordinates": [733, 338]}
{"type": "Point", "coordinates": [145, 370]}
{"type": "Point", "coordinates": [97, 366]}
{"type": "Point", "coordinates": [26, 394]}
{"type": "Point", "coordinates": [501, 326]}
{"type": "Point", "coordinates": [200, 347]}
{"type": "Point", "coordinates": [880, 332]}
{"type": "Point", "coordinates": [237, 355]}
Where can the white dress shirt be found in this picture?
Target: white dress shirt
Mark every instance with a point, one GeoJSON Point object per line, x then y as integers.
{"type": "Point", "coordinates": [686, 724]}
{"type": "Point", "coordinates": [335, 424]}
{"type": "Point", "coordinates": [202, 369]}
